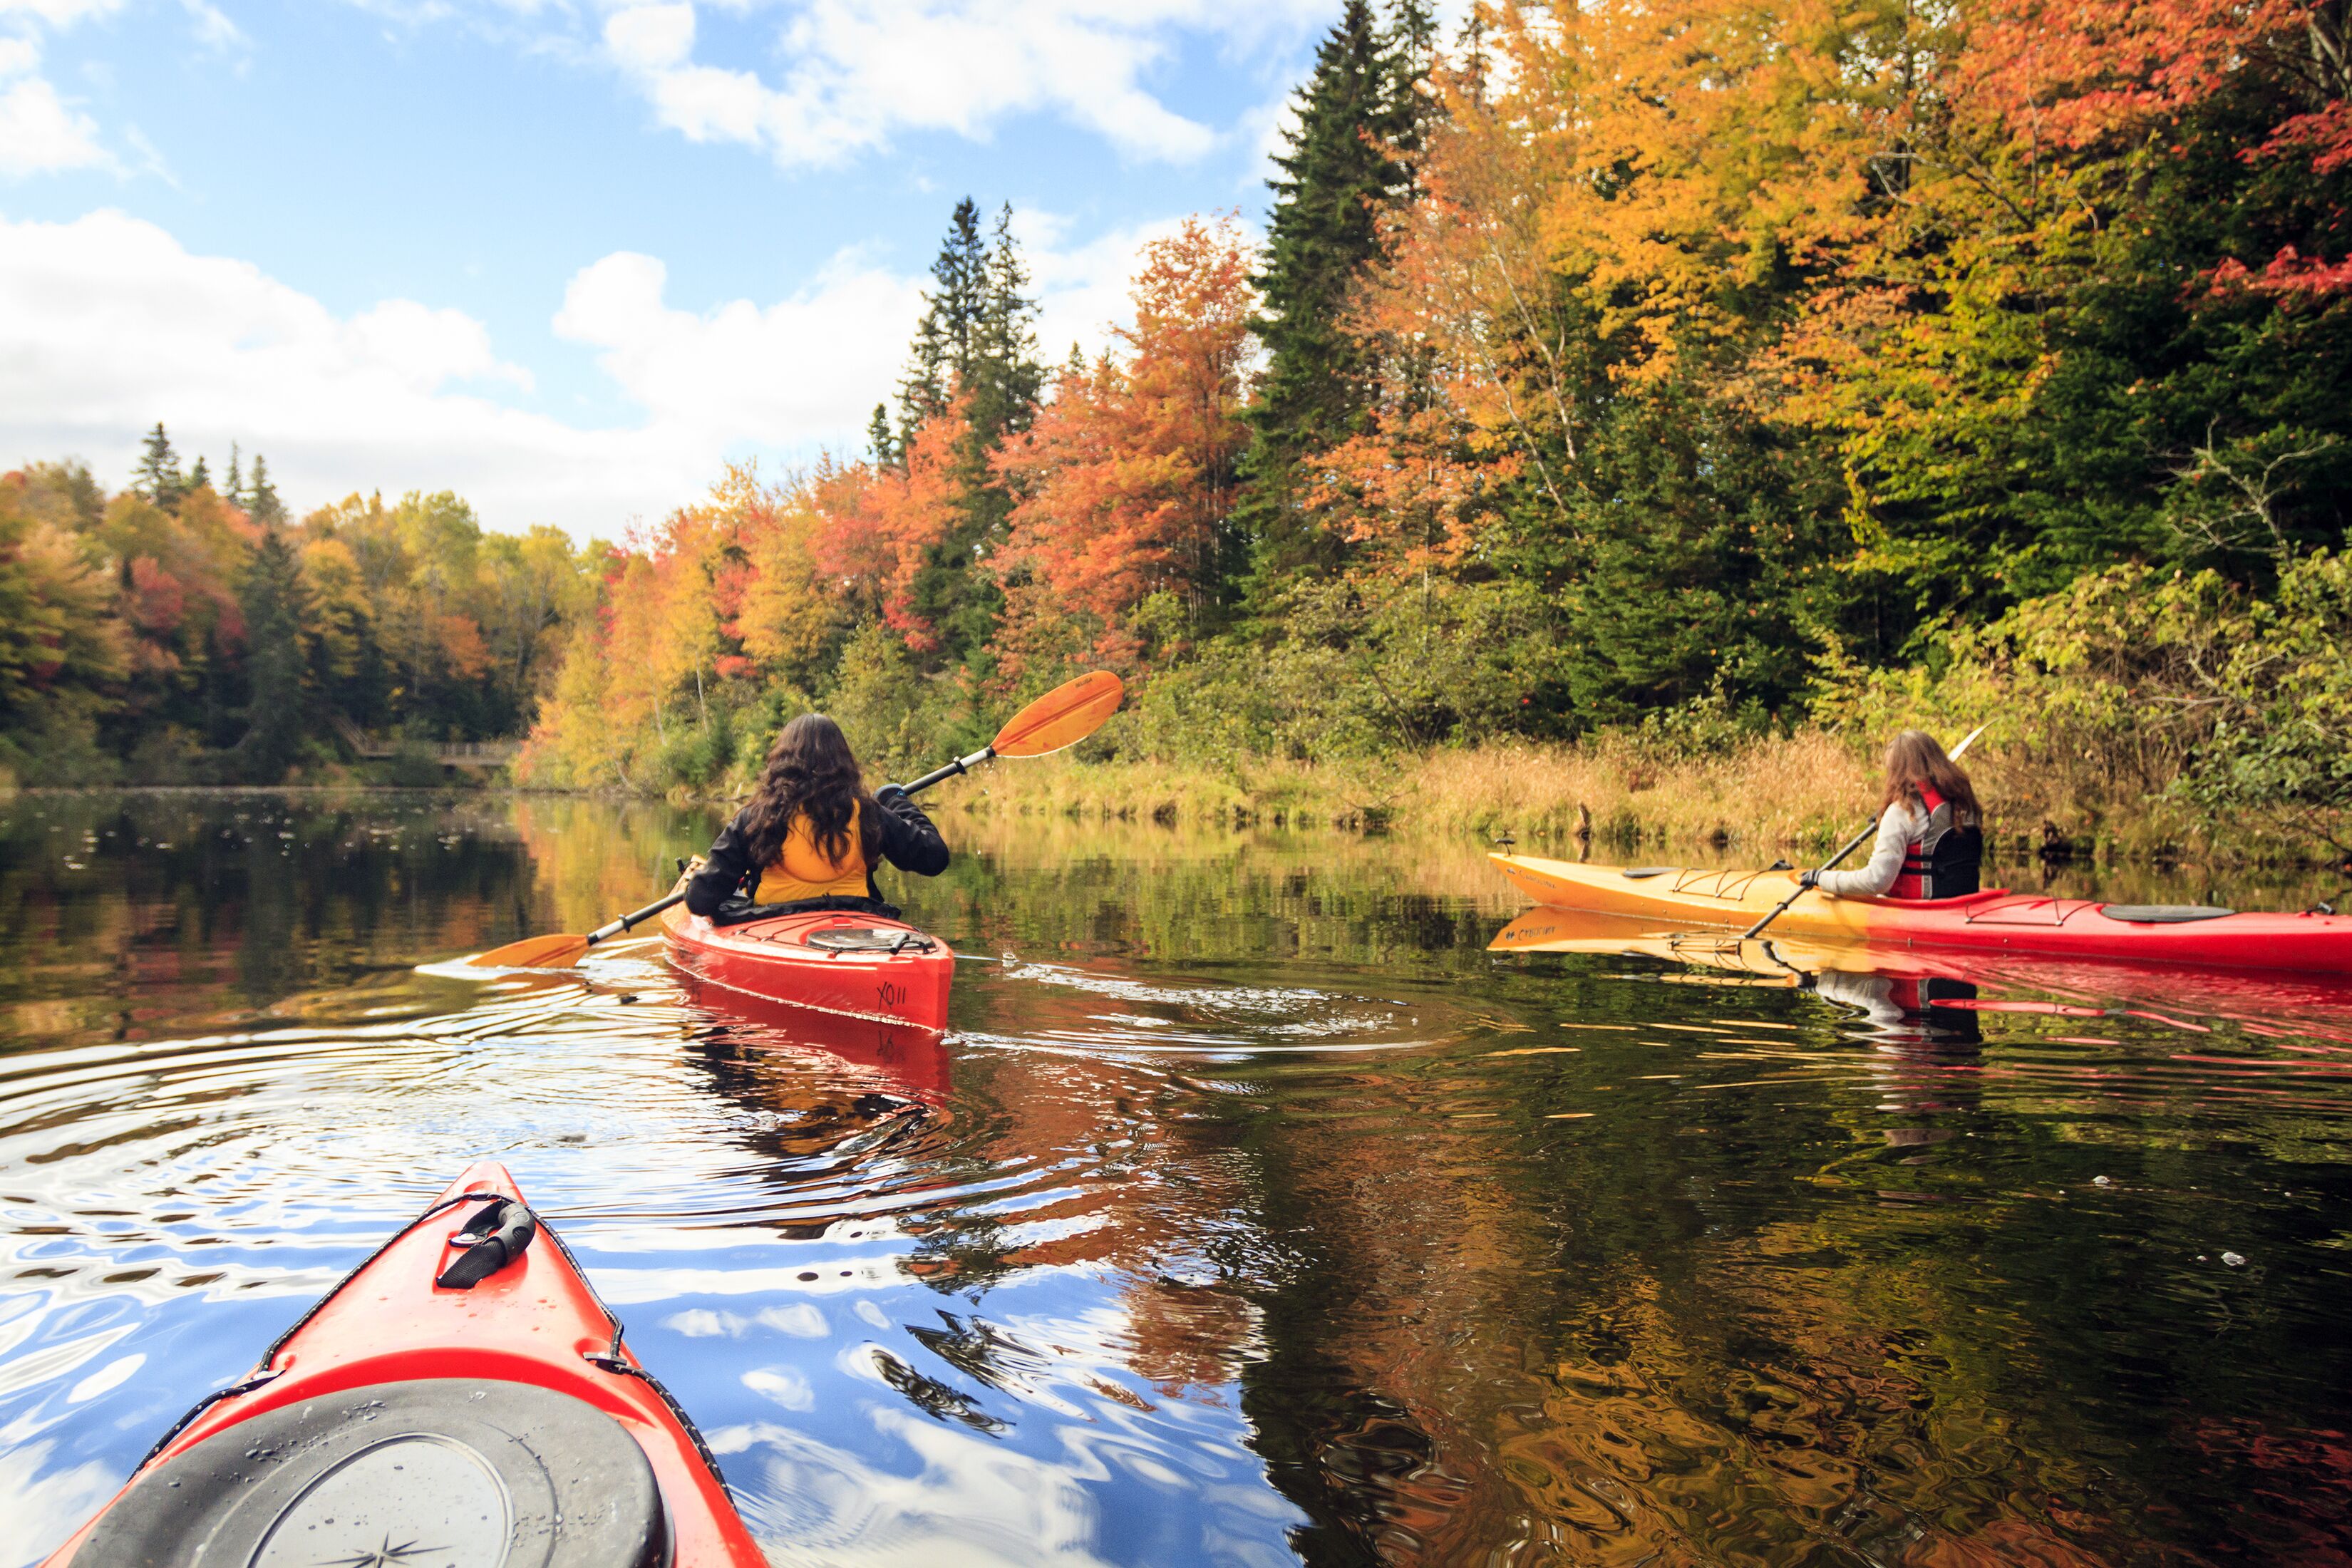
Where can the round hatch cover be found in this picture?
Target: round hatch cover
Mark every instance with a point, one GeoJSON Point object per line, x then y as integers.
{"type": "Point", "coordinates": [437, 1473]}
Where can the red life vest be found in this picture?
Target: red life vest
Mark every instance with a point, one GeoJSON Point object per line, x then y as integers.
{"type": "Point", "coordinates": [1943, 860]}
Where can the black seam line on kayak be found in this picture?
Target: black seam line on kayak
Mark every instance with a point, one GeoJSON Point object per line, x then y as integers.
{"type": "Point", "coordinates": [611, 1360]}
{"type": "Point", "coordinates": [261, 1373]}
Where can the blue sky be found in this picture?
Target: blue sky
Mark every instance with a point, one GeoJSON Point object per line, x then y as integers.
{"type": "Point", "coordinates": [568, 258]}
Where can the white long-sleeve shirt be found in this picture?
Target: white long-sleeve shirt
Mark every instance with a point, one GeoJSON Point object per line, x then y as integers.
{"type": "Point", "coordinates": [1898, 825]}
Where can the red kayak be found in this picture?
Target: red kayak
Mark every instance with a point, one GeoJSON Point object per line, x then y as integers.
{"type": "Point", "coordinates": [462, 1398]}
{"type": "Point", "coordinates": [1995, 921]}
{"type": "Point", "coordinates": [858, 965]}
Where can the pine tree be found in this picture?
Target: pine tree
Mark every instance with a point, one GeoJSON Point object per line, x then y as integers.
{"type": "Point", "coordinates": [275, 607]}
{"type": "Point", "coordinates": [199, 476]}
{"type": "Point", "coordinates": [1360, 116]}
{"type": "Point", "coordinates": [261, 502]}
{"type": "Point", "coordinates": [158, 476]}
{"type": "Point", "coordinates": [235, 493]}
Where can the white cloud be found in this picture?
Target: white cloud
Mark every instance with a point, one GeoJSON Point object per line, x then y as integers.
{"type": "Point", "coordinates": [805, 366]}
{"type": "Point", "coordinates": [858, 71]}
{"type": "Point", "coordinates": [59, 13]}
{"type": "Point", "coordinates": [40, 133]}
{"type": "Point", "coordinates": [1081, 288]}
{"type": "Point", "coordinates": [111, 325]}
{"type": "Point", "coordinates": [212, 27]}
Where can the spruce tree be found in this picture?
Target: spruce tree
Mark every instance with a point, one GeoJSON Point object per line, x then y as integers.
{"type": "Point", "coordinates": [234, 491]}
{"type": "Point", "coordinates": [977, 339]}
{"type": "Point", "coordinates": [261, 502]}
{"type": "Point", "coordinates": [1006, 375]}
{"type": "Point", "coordinates": [878, 438]}
{"type": "Point", "coordinates": [199, 476]}
{"type": "Point", "coordinates": [939, 363]}
{"type": "Point", "coordinates": [157, 476]}
{"type": "Point", "coordinates": [1360, 117]}
{"type": "Point", "coordinates": [275, 606]}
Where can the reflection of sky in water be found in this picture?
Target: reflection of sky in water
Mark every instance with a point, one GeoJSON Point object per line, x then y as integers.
{"type": "Point", "coordinates": [1270, 1215]}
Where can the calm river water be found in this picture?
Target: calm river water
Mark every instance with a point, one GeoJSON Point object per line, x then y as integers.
{"type": "Point", "coordinates": [1253, 1212]}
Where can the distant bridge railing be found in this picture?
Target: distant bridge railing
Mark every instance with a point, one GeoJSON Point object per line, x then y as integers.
{"type": "Point", "coordinates": [448, 754]}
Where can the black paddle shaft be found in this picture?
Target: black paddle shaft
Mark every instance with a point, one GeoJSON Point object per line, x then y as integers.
{"type": "Point", "coordinates": [1852, 844]}
{"type": "Point", "coordinates": [637, 917]}
{"type": "Point", "coordinates": [960, 765]}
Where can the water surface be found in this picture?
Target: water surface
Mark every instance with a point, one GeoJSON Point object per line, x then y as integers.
{"type": "Point", "coordinates": [1253, 1212]}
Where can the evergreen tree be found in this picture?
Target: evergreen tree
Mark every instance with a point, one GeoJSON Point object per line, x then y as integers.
{"type": "Point", "coordinates": [199, 476]}
{"type": "Point", "coordinates": [157, 476]}
{"type": "Point", "coordinates": [977, 339]}
{"type": "Point", "coordinates": [1005, 375]}
{"type": "Point", "coordinates": [275, 607]}
{"type": "Point", "coordinates": [261, 502]}
{"type": "Point", "coordinates": [234, 491]}
{"type": "Point", "coordinates": [941, 357]}
{"type": "Point", "coordinates": [1360, 116]}
{"type": "Point", "coordinates": [884, 445]}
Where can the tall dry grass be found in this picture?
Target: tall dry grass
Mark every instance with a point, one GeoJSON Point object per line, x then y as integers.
{"type": "Point", "coordinates": [1770, 793]}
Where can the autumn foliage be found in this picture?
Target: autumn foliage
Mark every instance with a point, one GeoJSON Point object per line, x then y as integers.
{"type": "Point", "coordinates": [1689, 367]}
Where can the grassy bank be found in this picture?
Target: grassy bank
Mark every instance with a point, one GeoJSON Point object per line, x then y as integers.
{"type": "Point", "coordinates": [1764, 796]}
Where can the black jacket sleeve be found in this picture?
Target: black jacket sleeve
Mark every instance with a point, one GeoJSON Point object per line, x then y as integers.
{"type": "Point", "coordinates": [908, 841]}
{"type": "Point", "coordinates": [724, 871]}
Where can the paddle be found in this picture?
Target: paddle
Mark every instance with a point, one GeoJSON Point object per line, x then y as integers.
{"type": "Point", "coordinates": [1059, 720]}
{"type": "Point", "coordinates": [1752, 933]}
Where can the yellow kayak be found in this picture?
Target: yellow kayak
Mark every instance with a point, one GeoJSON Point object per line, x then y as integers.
{"type": "Point", "coordinates": [1994, 920]}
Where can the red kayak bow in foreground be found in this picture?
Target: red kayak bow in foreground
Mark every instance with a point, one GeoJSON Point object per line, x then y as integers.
{"type": "Point", "coordinates": [462, 1398]}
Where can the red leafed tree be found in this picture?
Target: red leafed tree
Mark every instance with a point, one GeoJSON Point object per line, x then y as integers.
{"type": "Point", "coordinates": [1126, 480]}
{"type": "Point", "coordinates": [881, 524]}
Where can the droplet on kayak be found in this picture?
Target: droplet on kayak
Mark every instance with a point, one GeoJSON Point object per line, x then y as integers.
{"type": "Point", "coordinates": [2234, 1260]}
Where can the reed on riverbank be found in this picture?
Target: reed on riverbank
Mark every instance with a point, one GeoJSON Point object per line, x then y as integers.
{"type": "Point", "coordinates": [1798, 793]}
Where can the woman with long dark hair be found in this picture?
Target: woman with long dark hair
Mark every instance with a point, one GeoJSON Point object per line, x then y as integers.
{"type": "Point", "coordinates": [812, 834]}
{"type": "Point", "coordinates": [1930, 838]}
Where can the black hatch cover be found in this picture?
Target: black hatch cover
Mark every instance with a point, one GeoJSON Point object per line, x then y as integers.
{"type": "Point", "coordinates": [437, 1473]}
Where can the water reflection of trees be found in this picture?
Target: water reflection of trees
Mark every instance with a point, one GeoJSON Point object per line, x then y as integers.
{"type": "Point", "coordinates": [1876, 1318]}
{"type": "Point", "coordinates": [121, 911]}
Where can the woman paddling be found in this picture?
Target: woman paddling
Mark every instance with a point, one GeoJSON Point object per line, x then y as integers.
{"type": "Point", "coordinates": [1930, 842]}
{"type": "Point", "coordinates": [812, 835]}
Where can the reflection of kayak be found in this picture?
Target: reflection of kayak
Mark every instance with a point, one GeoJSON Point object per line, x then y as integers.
{"type": "Point", "coordinates": [909, 1056]}
{"type": "Point", "coordinates": [1993, 922]}
{"type": "Point", "coordinates": [1776, 959]}
{"type": "Point", "coordinates": [495, 1419]}
{"type": "Point", "coordinates": [836, 962]}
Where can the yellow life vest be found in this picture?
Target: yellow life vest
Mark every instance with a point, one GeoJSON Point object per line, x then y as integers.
{"type": "Point", "coordinates": [804, 871]}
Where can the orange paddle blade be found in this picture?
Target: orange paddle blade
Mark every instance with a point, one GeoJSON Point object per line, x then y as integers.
{"type": "Point", "coordinates": [534, 952]}
{"type": "Point", "coordinates": [1062, 716]}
